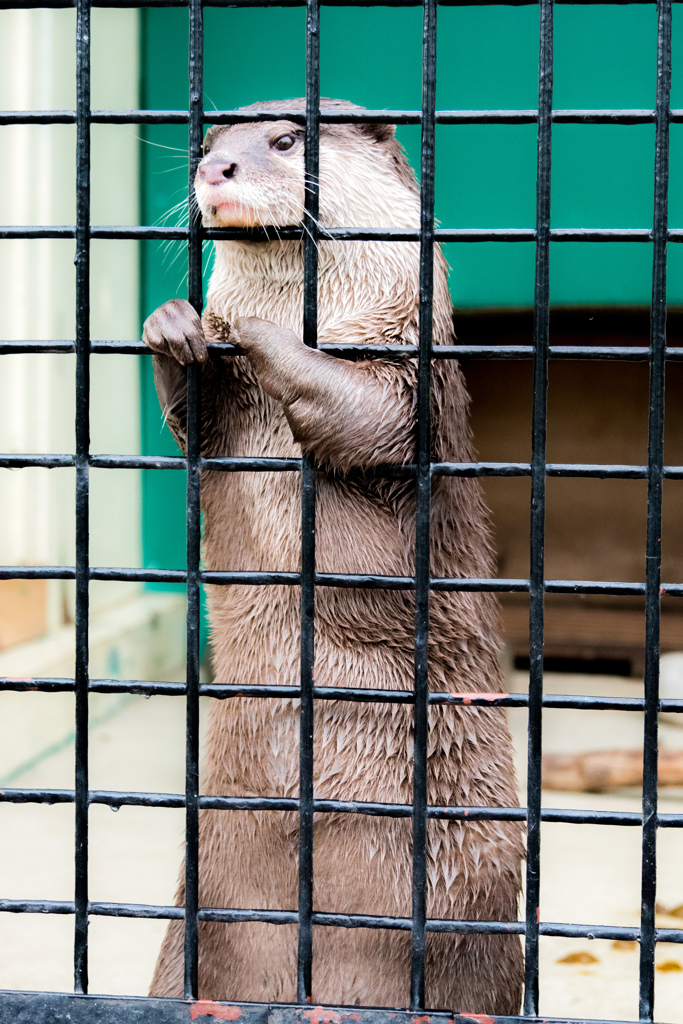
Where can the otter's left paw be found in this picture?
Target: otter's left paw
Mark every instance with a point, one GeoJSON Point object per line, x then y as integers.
{"type": "Point", "coordinates": [275, 353]}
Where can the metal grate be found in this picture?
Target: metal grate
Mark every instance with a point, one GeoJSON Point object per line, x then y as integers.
{"type": "Point", "coordinates": [44, 1007]}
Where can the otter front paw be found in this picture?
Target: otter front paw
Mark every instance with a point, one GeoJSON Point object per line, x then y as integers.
{"type": "Point", "coordinates": [174, 329]}
{"type": "Point", "coordinates": [277, 355]}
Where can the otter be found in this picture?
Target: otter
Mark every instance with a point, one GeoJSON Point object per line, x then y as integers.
{"type": "Point", "coordinates": [277, 397]}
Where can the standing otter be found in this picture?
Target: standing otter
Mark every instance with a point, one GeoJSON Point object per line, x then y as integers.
{"type": "Point", "coordinates": [276, 399]}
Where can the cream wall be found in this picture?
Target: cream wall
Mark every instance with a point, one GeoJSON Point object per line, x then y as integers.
{"type": "Point", "coordinates": [37, 296]}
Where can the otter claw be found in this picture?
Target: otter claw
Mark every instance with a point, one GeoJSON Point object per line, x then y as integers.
{"type": "Point", "coordinates": [175, 330]}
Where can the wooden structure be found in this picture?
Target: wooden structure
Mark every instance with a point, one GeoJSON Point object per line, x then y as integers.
{"type": "Point", "coordinates": [595, 529]}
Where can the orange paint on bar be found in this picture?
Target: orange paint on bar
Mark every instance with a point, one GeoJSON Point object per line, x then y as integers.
{"type": "Point", "coordinates": [320, 1016]}
{"type": "Point", "coordinates": [467, 698]}
{"type": "Point", "coordinates": [205, 1008]}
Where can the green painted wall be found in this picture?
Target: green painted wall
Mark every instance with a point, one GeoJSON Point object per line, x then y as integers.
{"type": "Point", "coordinates": [485, 175]}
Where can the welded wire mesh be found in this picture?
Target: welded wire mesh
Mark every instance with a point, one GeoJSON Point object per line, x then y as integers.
{"type": "Point", "coordinates": [54, 1007]}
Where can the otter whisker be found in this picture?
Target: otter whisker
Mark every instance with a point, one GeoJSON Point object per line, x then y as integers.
{"type": "Point", "coordinates": [179, 251]}
{"type": "Point", "coordinates": [265, 228]}
{"type": "Point", "coordinates": [171, 170]}
{"type": "Point", "coordinates": [160, 145]}
{"type": "Point", "coordinates": [179, 208]}
{"type": "Point", "coordinates": [303, 224]}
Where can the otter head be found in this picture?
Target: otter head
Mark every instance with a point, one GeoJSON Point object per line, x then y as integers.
{"type": "Point", "coordinates": [254, 175]}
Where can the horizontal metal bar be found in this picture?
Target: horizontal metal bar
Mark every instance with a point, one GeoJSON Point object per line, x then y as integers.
{"type": "Point", "coordinates": [630, 353]}
{"type": "Point", "coordinates": [398, 117]}
{"type": "Point", "coordinates": [156, 4]}
{"type": "Point", "coordinates": [118, 4]}
{"type": "Point", "coordinates": [338, 580]}
{"type": "Point", "coordinates": [555, 469]}
{"type": "Point", "coordinates": [116, 799]}
{"type": "Point", "coordinates": [225, 691]}
{"type": "Point", "coordinates": [335, 920]}
{"type": "Point", "coordinates": [236, 464]}
{"type": "Point", "coordinates": [65, 1008]}
{"type": "Point", "coordinates": [12, 461]}
{"type": "Point", "coordinates": [240, 464]}
{"type": "Point", "coordinates": [350, 234]}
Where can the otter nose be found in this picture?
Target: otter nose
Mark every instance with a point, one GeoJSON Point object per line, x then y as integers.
{"type": "Point", "coordinates": [214, 172]}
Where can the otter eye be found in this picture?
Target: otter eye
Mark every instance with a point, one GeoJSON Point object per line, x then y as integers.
{"type": "Point", "coordinates": [284, 142]}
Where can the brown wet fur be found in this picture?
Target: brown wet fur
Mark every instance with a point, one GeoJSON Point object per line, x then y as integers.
{"type": "Point", "coordinates": [274, 399]}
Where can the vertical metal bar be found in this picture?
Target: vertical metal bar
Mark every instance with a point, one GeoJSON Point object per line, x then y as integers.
{"type": "Point", "coordinates": [310, 336]}
{"type": "Point", "coordinates": [538, 470]}
{"type": "Point", "coordinates": [422, 513]}
{"type": "Point", "coordinates": [82, 261]}
{"type": "Point", "coordinates": [654, 514]}
{"type": "Point", "coordinates": [193, 518]}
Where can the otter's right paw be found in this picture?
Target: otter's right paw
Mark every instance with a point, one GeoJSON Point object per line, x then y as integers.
{"type": "Point", "coordinates": [174, 329]}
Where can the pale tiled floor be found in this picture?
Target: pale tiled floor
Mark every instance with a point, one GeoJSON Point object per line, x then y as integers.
{"type": "Point", "coordinates": [590, 874]}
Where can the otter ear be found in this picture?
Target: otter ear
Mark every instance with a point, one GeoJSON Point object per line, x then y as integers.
{"type": "Point", "coordinates": [378, 132]}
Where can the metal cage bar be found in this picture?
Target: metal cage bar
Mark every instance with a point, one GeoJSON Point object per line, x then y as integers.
{"type": "Point", "coordinates": [308, 503]}
{"type": "Point", "coordinates": [422, 512]}
{"type": "Point", "coordinates": [365, 582]}
{"type": "Point", "coordinates": [654, 516]}
{"type": "Point", "coordinates": [193, 518]}
{"type": "Point", "coordinates": [114, 4]}
{"type": "Point", "coordinates": [527, 116]}
{"type": "Point", "coordinates": [349, 234]}
{"type": "Point", "coordinates": [537, 525]}
{"type": "Point", "coordinates": [53, 1007]}
{"type": "Point", "coordinates": [82, 573]}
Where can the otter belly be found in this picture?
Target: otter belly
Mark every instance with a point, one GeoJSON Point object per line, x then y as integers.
{"type": "Point", "coordinates": [250, 860]}
{"type": "Point", "coordinates": [361, 864]}
{"type": "Point", "coordinates": [363, 638]}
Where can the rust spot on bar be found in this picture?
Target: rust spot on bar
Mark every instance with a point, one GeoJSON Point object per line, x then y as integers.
{"type": "Point", "coordinates": [538, 915]}
{"type": "Point", "coordinates": [483, 1018]}
{"type": "Point", "coordinates": [205, 1008]}
{"type": "Point", "coordinates": [420, 1020]}
{"type": "Point", "coordinates": [467, 698]}
{"type": "Point", "coordinates": [318, 1015]}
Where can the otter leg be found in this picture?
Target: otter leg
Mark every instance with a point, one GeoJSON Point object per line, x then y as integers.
{"type": "Point", "coordinates": [348, 414]}
{"type": "Point", "coordinates": [169, 973]}
{"type": "Point", "coordinates": [477, 974]}
{"type": "Point", "coordinates": [245, 962]}
{"type": "Point", "coordinates": [174, 333]}
{"type": "Point", "coordinates": [247, 860]}
{"type": "Point", "coordinates": [361, 967]}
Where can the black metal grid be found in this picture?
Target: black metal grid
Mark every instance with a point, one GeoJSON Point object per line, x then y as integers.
{"type": "Point", "coordinates": [59, 1007]}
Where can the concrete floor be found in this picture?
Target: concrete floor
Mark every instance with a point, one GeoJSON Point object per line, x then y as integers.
{"type": "Point", "coordinates": [590, 874]}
